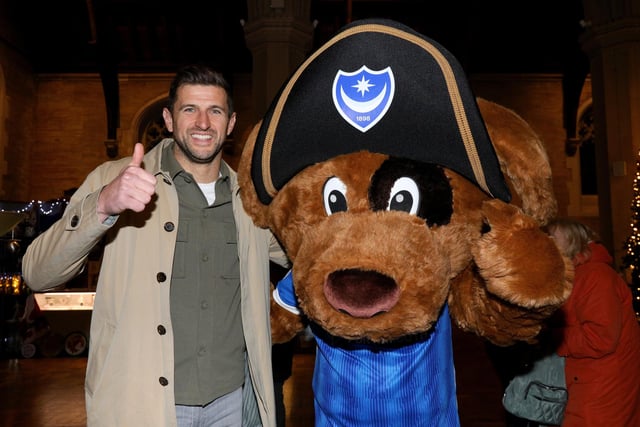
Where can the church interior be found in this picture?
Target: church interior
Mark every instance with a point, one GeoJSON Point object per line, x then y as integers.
{"type": "Point", "coordinates": [82, 81]}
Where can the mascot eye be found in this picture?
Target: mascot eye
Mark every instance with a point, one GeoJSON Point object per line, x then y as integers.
{"type": "Point", "coordinates": [335, 199]}
{"type": "Point", "coordinates": [404, 196]}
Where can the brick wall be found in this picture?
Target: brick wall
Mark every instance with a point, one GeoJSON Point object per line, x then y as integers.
{"type": "Point", "coordinates": [71, 126]}
{"type": "Point", "coordinates": [17, 126]}
{"type": "Point", "coordinates": [65, 140]}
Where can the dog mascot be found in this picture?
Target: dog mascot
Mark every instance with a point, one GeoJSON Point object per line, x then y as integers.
{"type": "Point", "coordinates": [405, 205]}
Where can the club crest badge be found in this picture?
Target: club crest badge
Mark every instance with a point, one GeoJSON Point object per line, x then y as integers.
{"type": "Point", "coordinates": [363, 97]}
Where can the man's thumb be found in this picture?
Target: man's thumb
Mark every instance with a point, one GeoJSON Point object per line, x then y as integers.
{"type": "Point", "coordinates": [138, 154]}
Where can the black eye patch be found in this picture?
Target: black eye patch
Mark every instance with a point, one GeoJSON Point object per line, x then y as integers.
{"type": "Point", "coordinates": [414, 187]}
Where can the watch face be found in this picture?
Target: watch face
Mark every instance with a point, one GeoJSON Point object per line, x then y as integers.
{"type": "Point", "coordinates": [75, 344]}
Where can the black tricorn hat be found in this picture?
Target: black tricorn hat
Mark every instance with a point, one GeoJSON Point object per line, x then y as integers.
{"type": "Point", "coordinates": [379, 86]}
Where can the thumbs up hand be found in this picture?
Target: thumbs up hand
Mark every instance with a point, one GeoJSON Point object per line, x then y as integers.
{"type": "Point", "coordinates": [131, 189]}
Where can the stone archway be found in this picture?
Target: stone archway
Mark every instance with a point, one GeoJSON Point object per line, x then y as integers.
{"type": "Point", "coordinates": [147, 125]}
{"type": "Point", "coordinates": [150, 126]}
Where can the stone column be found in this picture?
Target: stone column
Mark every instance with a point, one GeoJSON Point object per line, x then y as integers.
{"type": "Point", "coordinates": [279, 34]}
{"type": "Point", "coordinates": [612, 41]}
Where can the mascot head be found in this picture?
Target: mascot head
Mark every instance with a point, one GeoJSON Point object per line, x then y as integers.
{"type": "Point", "coordinates": [395, 192]}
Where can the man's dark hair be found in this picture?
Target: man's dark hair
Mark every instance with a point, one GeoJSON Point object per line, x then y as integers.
{"type": "Point", "coordinates": [197, 74]}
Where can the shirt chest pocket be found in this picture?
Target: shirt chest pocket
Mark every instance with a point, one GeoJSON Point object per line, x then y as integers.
{"type": "Point", "coordinates": [228, 253]}
{"type": "Point", "coordinates": [205, 250]}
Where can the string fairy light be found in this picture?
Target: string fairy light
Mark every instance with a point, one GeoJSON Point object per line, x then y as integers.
{"type": "Point", "coordinates": [11, 282]}
{"type": "Point", "coordinates": [45, 207]}
{"type": "Point", "coordinates": [631, 259]}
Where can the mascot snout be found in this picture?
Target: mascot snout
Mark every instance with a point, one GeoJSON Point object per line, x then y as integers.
{"type": "Point", "coordinates": [361, 294]}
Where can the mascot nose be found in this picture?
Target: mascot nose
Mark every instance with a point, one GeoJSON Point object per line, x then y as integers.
{"type": "Point", "coordinates": [361, 294]}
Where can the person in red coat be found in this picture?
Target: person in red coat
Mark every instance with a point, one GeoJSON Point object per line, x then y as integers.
{"type": "Point", "coordinates": [598, 334]}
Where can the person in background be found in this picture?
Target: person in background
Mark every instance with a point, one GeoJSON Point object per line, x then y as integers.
{"type": "Point", "coordinates": [597, 332]}
{"type": "Point", "coordinates": [180, 327]}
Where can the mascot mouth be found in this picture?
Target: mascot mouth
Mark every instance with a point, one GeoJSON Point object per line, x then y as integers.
{"type": "Point", "coordinates": [361, 294]}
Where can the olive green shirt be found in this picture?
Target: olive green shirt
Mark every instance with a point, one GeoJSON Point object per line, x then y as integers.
{"type": "Point", "coordinates": [205, 291]}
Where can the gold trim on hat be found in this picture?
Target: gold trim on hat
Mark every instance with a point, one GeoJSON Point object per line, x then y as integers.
{"type": "Point", "coordinates": [445, 67]}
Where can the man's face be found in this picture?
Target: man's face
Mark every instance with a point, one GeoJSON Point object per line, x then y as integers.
{"type": "Point", "coordinates": [200, 122]}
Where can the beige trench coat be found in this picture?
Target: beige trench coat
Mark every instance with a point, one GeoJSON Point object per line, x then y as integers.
{"type": "Point", "coordinates": [129, 378]}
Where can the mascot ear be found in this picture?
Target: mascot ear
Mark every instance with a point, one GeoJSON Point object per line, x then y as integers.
{"type": "Point", "coordinates": [523, 160]}
{"type": "Point", "coordinates": [258, 211]}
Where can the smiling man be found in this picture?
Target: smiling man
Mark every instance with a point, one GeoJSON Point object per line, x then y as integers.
{"type": "Point", "coordinates": [181, 313]}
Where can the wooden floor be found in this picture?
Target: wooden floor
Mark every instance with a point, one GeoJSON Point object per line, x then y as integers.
{"type": "Point", "coordinates": [43, 392]}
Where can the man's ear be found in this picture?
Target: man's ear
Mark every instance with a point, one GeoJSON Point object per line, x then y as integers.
{"type": "Point", "coordinates": [168, 119]}
{"type": "Point", "coordinates": [231, 124]}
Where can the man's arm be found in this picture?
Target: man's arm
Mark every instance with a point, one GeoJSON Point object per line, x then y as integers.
{"type": "Point", "coordinates": [59, 254]}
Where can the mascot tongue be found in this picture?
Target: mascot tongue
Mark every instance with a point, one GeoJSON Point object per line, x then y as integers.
{"type": "Point", "coordinates": [361, 294]}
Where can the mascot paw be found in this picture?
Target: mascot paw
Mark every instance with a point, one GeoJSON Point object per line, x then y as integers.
{"type": "Point", "coordinates": [519, 262]}
{"type": "Point", "coordinates": [284, 324]}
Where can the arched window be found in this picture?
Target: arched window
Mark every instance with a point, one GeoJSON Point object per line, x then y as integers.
{"type": "Point", "coordinates": [152, 129]}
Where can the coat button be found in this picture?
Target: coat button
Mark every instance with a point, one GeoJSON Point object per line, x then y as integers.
{"type": "Point", "coordinates": [168, 226]}
{"type": "Point", "coordinates": [163, 381]}
{"type": "Point", "coordinates": [161, 277]}
{"type": "Point", "coordinates": [162, 330]}
{"type": "Point", "coordinates": [75, 220]}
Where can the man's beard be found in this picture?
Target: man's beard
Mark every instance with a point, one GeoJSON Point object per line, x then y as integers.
{"type": "Point", "coordinates": [192, 157]}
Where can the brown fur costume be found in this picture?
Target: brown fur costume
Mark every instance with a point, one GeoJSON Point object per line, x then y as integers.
{"type": "Point", "coordinates": [396, 194]}
{"type": "Point", "coordinates": [500, 274]}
